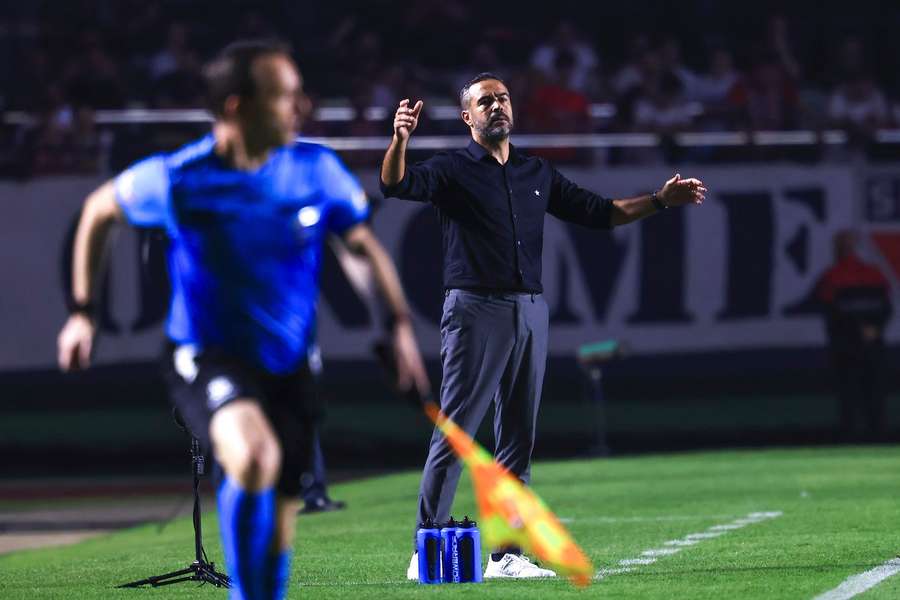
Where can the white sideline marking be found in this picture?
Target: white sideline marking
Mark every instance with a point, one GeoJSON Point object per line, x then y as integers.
{"type": "Point", "coordinates": [681, 542]}
{"type": "Point", "coordinates": [859, 583]}
{"type": "Point", "coordinates": [648, 557]}
{"type": "Point", "coordinates": [706, 535]}
{"type": "Point", "coordinates": [661, 552]}
{"type": "Point", "coordinates": [643, 519]}
{"type": "Point", "coordinates": [607, 572]}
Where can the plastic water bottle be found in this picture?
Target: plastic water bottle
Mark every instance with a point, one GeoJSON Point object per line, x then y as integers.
{"type": "Point", "coordinates": [428, 547]}
{"type": "Point", "coordinates": [450, 552]}
{"type": "Point", "coordinates": [469, 551]}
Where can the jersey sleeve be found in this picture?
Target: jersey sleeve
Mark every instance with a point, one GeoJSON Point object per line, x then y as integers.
{"type": "Point", "coordinates": [142, 191]}
{"type": "Point", "coordinates": [346, 199]}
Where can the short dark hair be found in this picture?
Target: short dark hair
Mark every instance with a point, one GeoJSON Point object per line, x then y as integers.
{"type": "Point", "coordinates": [231, 71]}
{"type": "Point", "coordinates": [464, 91]}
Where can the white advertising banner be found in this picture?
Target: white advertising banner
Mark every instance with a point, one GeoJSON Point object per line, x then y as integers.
{"type": "Point", "coordinates": [735, 273]}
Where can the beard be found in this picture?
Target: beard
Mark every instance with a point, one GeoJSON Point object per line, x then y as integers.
{"type": "Point", "coordinates": [495, 130]}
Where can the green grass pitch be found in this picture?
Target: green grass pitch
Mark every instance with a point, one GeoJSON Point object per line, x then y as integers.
{"type": "Point", "coordinates": [840, 516]}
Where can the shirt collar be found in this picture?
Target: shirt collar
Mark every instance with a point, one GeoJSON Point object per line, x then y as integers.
{"type": "Point", "coordinates": [478, 152]}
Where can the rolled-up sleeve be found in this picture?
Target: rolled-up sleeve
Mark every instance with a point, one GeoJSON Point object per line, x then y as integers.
{"type": "Point", "coordinates": [574, 204]}
{"type": "Point", "coordinates": [422, 181]}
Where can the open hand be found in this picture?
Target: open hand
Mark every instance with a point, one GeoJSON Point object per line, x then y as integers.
{"type": "Point", "coordinates": [410, 367]}
{"type": "Point", "coordinates": [678, 191]}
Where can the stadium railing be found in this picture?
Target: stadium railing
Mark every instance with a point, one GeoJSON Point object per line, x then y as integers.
{"type": "Point", "coordinates": [800, 137]}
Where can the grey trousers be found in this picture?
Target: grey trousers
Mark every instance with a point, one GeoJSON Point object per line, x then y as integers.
{"type": "Point", "coordinates": [493, 349]}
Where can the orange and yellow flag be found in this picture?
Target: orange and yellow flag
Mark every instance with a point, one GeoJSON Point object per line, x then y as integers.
{"type": "Point", "coordinates": [510, 513]}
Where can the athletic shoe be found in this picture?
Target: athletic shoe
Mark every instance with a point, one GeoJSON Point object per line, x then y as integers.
{"type": "Point", "coordinates": [515, 565]}
{"type": "Point", "coordinates": [322, 504]}
{"type": "Point", "coordinates": [412, 571]}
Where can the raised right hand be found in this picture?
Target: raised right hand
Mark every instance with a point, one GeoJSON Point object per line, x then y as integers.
{"type": "Point", "coordinates": [75, 342]}
{"type": "Point", "coordinates": [406, 119]}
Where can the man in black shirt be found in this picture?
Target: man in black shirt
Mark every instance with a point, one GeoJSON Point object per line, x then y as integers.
{"type": "Point", "coordinates": [491, 200]}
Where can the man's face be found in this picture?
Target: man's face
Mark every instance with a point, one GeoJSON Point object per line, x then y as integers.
{"type": "Point", "coordinates": [276, 112]}
{"type": "Point", "coordinates": [489, 112]}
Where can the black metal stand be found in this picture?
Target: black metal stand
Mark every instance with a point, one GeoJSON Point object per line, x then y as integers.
{"type": "Point", "coordinates": [599, 445]}
{"type": "Point", "coordinates": [592, 358]}
{"type": "Point", "coordinates": [201, 569]}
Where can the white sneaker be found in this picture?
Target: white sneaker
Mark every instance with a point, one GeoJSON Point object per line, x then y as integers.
{"type": "Point", "coordinates": [412, 571]}
{"type": "Point", "coordinates": [514, 565]}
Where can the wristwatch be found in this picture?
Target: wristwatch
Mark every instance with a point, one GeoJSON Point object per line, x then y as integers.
{"type": "Point", "coordinates": [659, 204]}
{"type": "Point", "coordinates": [80, 308]}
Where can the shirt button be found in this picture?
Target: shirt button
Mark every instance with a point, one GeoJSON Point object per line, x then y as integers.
{"type": "Point", "coordinates": [518, 243]}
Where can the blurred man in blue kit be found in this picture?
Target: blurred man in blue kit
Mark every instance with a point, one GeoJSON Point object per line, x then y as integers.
{"type": "Point", "coordinates": [247, 211]}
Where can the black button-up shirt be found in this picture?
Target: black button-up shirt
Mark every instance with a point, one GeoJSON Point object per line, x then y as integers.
{"type": "Point", "coordinates": [492, 215]}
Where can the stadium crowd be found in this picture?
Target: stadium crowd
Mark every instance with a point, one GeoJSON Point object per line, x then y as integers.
{"type": "Point", "coordinates": [806, 65]}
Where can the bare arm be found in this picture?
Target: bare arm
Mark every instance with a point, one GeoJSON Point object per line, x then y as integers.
{"type": "Point", "coordinates": [675, 192]}
{"type": "Point", "coordinates": [100, 213]}
{"type": "Point", "coordinates": [362, 242]}
{"type": "Point", "coordinates": [410, 367]}
{"type": "Point", "coordinates": [405, 121]}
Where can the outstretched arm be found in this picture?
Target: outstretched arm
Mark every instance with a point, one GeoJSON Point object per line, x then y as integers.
{"type": "Point", "coordinates": [575, 204]}
{"type": "Point", "coordinates": [100, 212]}
{"type": "Point", "coordinates": [675, 192]}
{"type": "Point", "coordinates": [410, 367]}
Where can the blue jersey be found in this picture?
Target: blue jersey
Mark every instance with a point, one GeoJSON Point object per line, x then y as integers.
{"type": "Point", "coordinates": [245, 247]}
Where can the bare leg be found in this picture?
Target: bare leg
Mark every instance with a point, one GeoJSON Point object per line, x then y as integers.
{"type": "Point", "coordinates": [246, 447]}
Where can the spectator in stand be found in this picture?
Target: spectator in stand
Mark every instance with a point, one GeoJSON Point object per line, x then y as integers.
{"type": "Point", "coordinates": [778, 43]}
{"type": "Point", "coordinates": [771, 99]}
{"type": "Point", "coordinates": [555, 107]}
{"type": "Point", "coordinates": [719, 91]}
{"type": "Point", "coordinates": [567, 39]}
{"type": "Point", "coordinates": [661, 108]}
{"type": "Point", "coordinates": [631, 75]}
{"type": "Point", "coordinates": [176, 54]}
{"type": "Point", "coordinates": [857, 303]}
{"type": "Point", "coordinates": [175, 71]}
{"type": "Point", "coordinates": [859, 106]}
{"type": "Point", "coordinates": [671, 61]}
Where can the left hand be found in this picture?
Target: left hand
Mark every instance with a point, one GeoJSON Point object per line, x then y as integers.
{"type": "Point", "coordinates": [410, 367]}
{"type": "Point", "coordinates": [678, 191]}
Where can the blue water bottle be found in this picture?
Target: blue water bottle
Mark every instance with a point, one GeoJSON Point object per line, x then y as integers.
{"type": "Point", "coordinates": [469, 551]}
{"type": "Point", "coordinates": [450, 551]}
{"type": "Point", "coordinates": [428, 547]}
